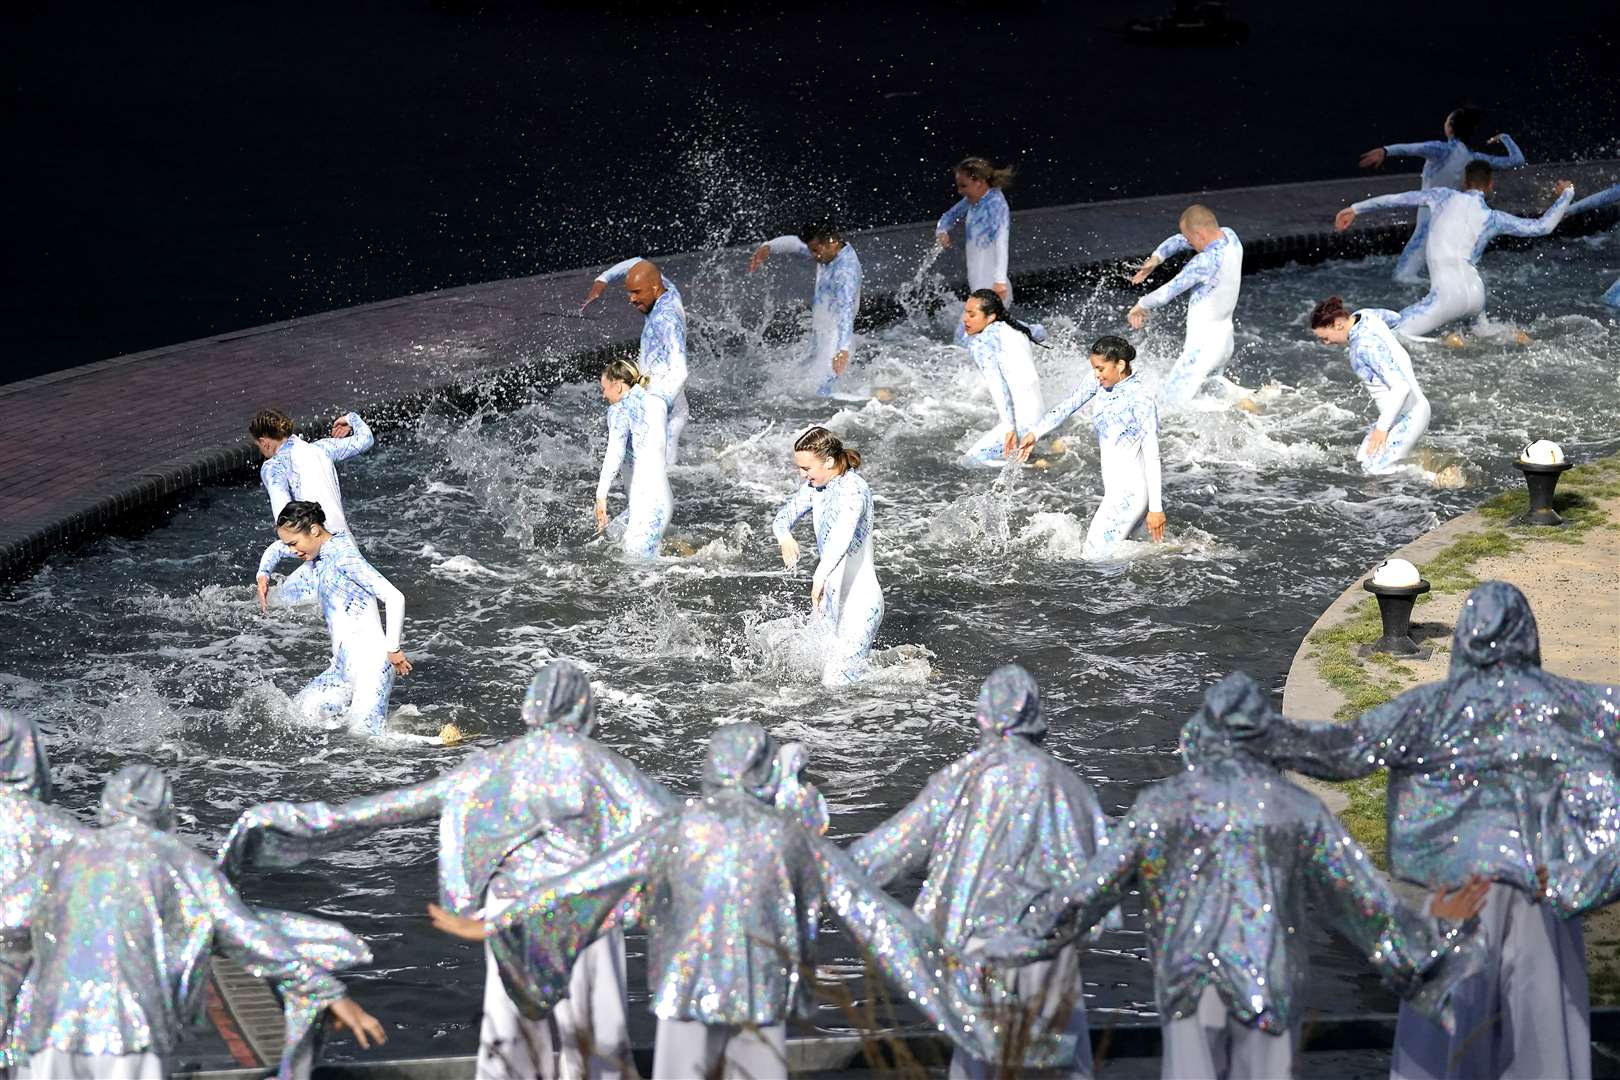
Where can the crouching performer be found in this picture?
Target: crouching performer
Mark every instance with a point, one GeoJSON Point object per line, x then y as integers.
{"type": "Point", "coordinates": [509, 818]}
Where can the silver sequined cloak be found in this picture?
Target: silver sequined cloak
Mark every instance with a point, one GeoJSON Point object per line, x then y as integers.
{"type": "Point", "coordinates": [123, 921]}
{"type": "Point", "coordinates": [508, 817]}
{"type": "Point", "coordinates": [1499, 769]}
{"type": "Point", "coordinates": [1229, 855]}
{"type": "Point", "coordinates": [732, 885]}
{"type": "Point", "coordinates": [29, 831]}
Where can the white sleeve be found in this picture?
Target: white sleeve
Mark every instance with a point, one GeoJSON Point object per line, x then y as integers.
{"type": "Point", "coordinates": [1171, 247]}
{"type": "Point", "coordinates": [357, 442]}
{"type": "Point", "coordinates": [1000, 244]}
{"type": "Point", "coordinates": [1057, 414]}
{"type": "Point", "coordinates": [273, 554]}
{"type": "Point", "coordinates": [275, 486]}
{"type": "Point", "coordinates": [1430, 197]}
{"type": "Point", "coordinates": [1200, 268]}
{"type": "Point", "coordinates": [618, 270]}
{"type": "Point", "coordinates": [1150, 461]}
{"type": "Point", "coordinates": [613, 457]}
{"type": "Point", "coordinates": [788, 245]}
{"type": "Point", "coordinates": [846, 512]}
{"type": "Point", "coordinates": [366, 576]}
{"type": "Point", "coordinates": [795, 508]}
{"type": "Point", "coordinates": [952, 217]}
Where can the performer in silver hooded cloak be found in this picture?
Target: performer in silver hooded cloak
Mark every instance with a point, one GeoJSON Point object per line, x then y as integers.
{"type": "Point", "coordinates": [732, 884]}
{"type": "Point", "coordinates": [1499, 770]}
{"type": "Point", "coordinates": [29, 831]}
{"type": "Point", "coordinates": [1004, 820]}
{"type": "Point", "coordinates": [509, 818]}
{"type": "Point", "coordinates": [123, 921]}
{"type": "Point", "coordinates": [1227, 854]}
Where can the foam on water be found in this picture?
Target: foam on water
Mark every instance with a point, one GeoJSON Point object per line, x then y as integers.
{"type": "Point", "coordinates": [155, 645]}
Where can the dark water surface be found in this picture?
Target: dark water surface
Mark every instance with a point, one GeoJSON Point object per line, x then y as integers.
{"type": "Point", "coordinates": [151, 646]}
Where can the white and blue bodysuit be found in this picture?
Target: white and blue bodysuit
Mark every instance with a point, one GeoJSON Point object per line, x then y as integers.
{"type": "Point", "coordinates": [663, 353]}
{"type": "Point", "coordinates": [833, 306]}
{"type": "Point", "coordinates": [1461, 224]}
{"type": "Point", "coordinates": [1443, 163]}
{"type": "Point", "coordinates": [986, 233]}
{"type": "Point", "coordinates": [354, 688]}
{"type": "Point", "coordinates": [1385, 370]}
{"type": "Point", "coordinates": [307, 471]}
{"type": "Point", "coordinates": [1607, 197]}
{"type": "Point", "coordinates": [636, 430]}
{"type": "Point", "coordinates": [1004, 358]}
{"type": "Point", "coordinates": [852, 601]}
{"type": "Point", "coordinates": [1214, 276]}
{"type": "Point", "coordinates": [1127, 425]}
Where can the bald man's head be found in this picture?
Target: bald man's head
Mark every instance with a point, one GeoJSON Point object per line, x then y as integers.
{"type": "Point", "coordinates": [1199, 226]}
{"type": "Point", "coordinates": [644, 284]}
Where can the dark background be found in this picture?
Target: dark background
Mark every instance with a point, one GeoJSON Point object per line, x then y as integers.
{"type": "Point", "coordinates": [209, 166]}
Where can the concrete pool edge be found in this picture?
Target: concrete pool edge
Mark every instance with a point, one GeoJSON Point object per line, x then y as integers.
{"type": "Point", "coordinates": [69, 474]}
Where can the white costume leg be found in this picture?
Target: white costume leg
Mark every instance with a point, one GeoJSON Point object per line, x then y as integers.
{"type": "Point", "coordinates": [62, 1065]}
{"type": "Point", "coordinates": [325, 697]}
{"type": "Point", "coordinates": [510, 1045]}
{"type": "Point", "coordinates": [855, 612]}
{"type": "Point", "coordinates": [592, 1030]}
{"type": "Point", "coordinates": [756, 1053]}
{"type": "Point", "coordinates": [1458, 295]}
{"type": "Point", "coordinates": [990, 450]}
{"type": "Point", "coordinates": [1123, 509]}
{"type": "Point", "coordinates": [1258, 1055]}
{"type": "Point", "coordinates": [645, 523]}
{"type": "Point", "coordinates": [1195, 1046]}
{"type": "Point", "coordinates": [677, 424]}
{"type": "Point", "coordinates": [1053, 989]}
{"type": "Point", "coordinates": [368, 704]}
{"type": "Point", "coordinates": [1205, 352]}
{"type": "Point", "coordinates": [686, 1048]}
{"type": "Point", "coordinates": [1408, 428]}
{"type": "Point", "coordinates": [1410, 268]}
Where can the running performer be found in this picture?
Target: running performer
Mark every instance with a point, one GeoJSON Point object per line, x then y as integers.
{"type": "Point", "coordinates": [663, 337]}
{"type": "Point", "coordinates": [295, 469]}
{"type": "Point", "coordinates": [635, 423]}
{"type": "Point", "coordinates": [986, 224]}
{"type": "Point", "coordinates": [1127, 425]}
{"type": "Point", "coordinates": [1461, 226]}
{"type": "Point", "coordinates": [989, 829]}
{"type": "Point", "coordinates": [366, 656]}
{"type": "Point", "coordinates": [510, 819]}
{"type": "Point", "coordinates": [1000, 346]}
{"type": "Point", "coordinates": [834, 302]}
{"type": "Point", "coordinates": [1214, 275]}
{"type": "Point", "coordinates": [1443, 163]}
{"type": "Point", "coordinates": [1607, 197]}
{"type": "Point", "coordinates": [844, 590]}
{"type": "Point", "coordinates": [1385, 370]}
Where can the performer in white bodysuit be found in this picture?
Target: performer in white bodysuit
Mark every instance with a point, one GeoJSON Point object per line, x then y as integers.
{"type": "Point", "coordinates": [1385, 370]}
{"type": "Point", "coordinates": [1443, 164]}
{"type": "Point", "coordinates": [986, 225]}
{"type": "Point", "coordinates": [1607, 197]}
{"type": "Point", "coordinates": [834, 302]}
{"type": "Point", "coordinates": [295, 469]}
{"type": "Point", "coordinates": [1461, 224]}
{"type": "Point", "coordinates": [635, 430]}
{"type": "Point", "coordinates": [1000, 346]}
{"type": "Point", "coordinates": [663, 337]}
{"type": "Point", "coordinates": [1214, 275]}
{"type": "Point", "coordinates": [845, 588]}
{"type": "Point", "coordinates": [354, 688]}
{"type": "Point", "coordinates": [1127, 425]}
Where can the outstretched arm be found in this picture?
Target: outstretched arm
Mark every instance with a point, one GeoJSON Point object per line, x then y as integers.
{"type": "Point", "coordinates": [1504, 224]}
{"type": "Point", "coordinates": [904, 842]}
{"type": "Point", "coordinates": [1201, 268]}
{"type": "Point", "coordinates": [1510, 160]}
{"type": "Point", "coordinates": [1607, 197]}
{"type": "Point", "coordinates": [1360, 747]}
{"type": "Point", "coordinates": [951, 218]}
{"type": "Point", "coordinates": [279, 835]}
{"type": "Point", "coordinates": [1058, 414]}
{"type": "Point", "coordinates": [358, 441]}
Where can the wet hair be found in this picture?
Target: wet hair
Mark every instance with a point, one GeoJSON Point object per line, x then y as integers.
{"type": "Point", "coordinates": [823, 232]}
{"type": "Point", "coordinates": [824, 444]}
{"type": "Point", "coordinates": [271, 424]}
{"type": "Point", "coordinates": [301, 516]}
{"type": "Point", "coordinates": [1477, 175]}
{"type": "Point", "coordinates": [621, 370]}
{"type": "Point", "coordinates": [1464, 123]}
{"type": "Point", "coordinates": [980, 169]}
{"type": "Point", "coordinates": [1115, 348]}
{"type": "Point", "coordinates": [1326, 311]}
{"type": "Point", "coordinates": [991, 304]}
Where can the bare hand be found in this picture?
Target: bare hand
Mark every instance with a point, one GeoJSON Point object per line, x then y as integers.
{"type": "Point", "coordinates": [1374, 158]}
{"type": "Point", "coordinates": [593, 294]}
{"type": "Point", "coordinates": [1009, 446]}
{"type": "Point", "coordinates": [1561, 187]}
{"type": "Point", "coordinates": [1147, 267]}
{"type": "Point", "coordinates": [1342, 220]}
{"type": "Point", "coordinates": [943, 238]}
{"type": "Point", "coordinates": [1137, 317]}
{"type": "Point", "coordinates": [601, 517]}
{"type": "Point", "coordinates": [1461, 903]}
{"type": "Point", "coordinates": [1375, 441]}
{"type": "Point", "coordinates": [818, 592]}
{"type": "Point", "coordinates": [350, 1017]}
{"type": "Point", "coordinates": [1000, 288]}
{"type": "Point", "coordinates": [840, 362]}
{"type": "Point", "coordinates": [1026, 446]}
{"type": "Point", "coordinates": [1155, 525]}
{"type": "Point", "coordinates": [458, 925]}
{"type": "Point", "coordinates": [1497, 139]}
{"type": "Point", "coordinates": [401, 665]}
{"type": "Point", "coordinates": [761, 253]}
{"type": "Point", "coordinates": [1541, 880]}
{"type": "Point", "coordinates": [263, 583]}
{"type": "Point", "coordinates": [341, 428]}
{"type": "Point", "coordinates": [790, 552]}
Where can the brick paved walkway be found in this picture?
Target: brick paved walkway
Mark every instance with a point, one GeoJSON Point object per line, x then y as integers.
{"type": "Point", "coordinates": [82, 448]}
